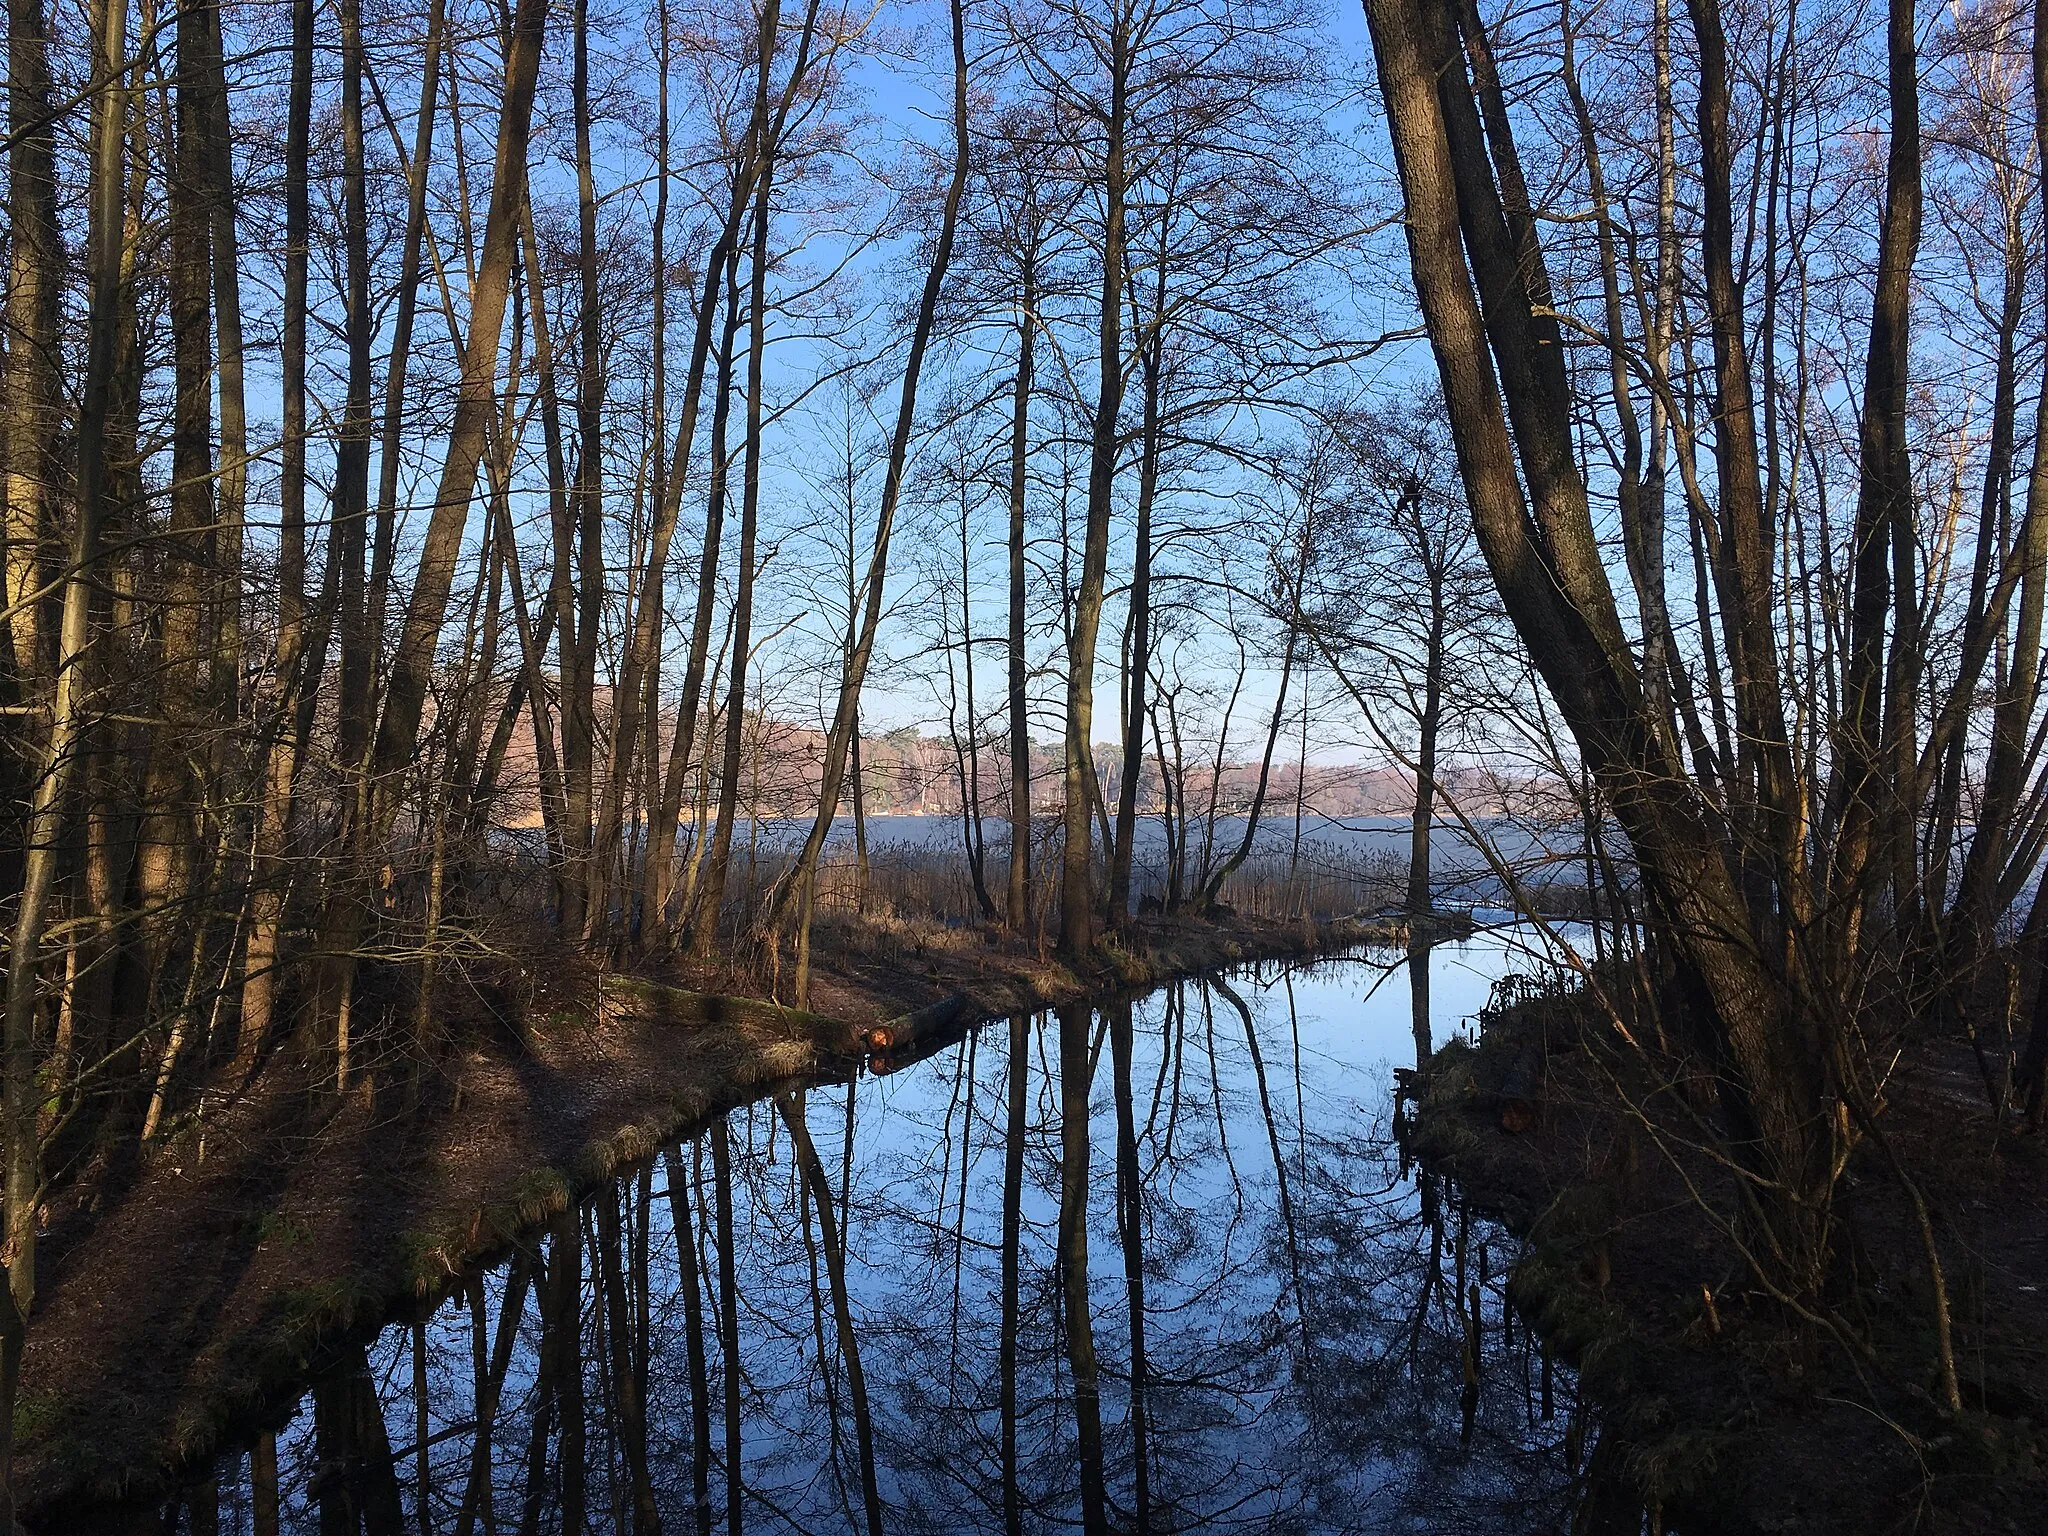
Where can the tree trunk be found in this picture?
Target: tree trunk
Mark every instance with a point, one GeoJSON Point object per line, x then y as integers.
{"type": "Point", "coordinates": [269, 872]}
{"type": "Point", "coordinates": [384, 548]}
{"type": "Point", "coordinates": [1123, 850]}
{"type": "Point", "coordinates": [1017, 909]}
{"type": "Point", "coordinates": [798, 886]}
{"type": "Point", "coordinates": [1546, 565]}
{"type": "Point", "coordinates": [66, 743]}
{"type": "Point", "coordinates": [170, 793]}
{"type": "Point", "coordinates": [35, 283]}
{"type": "Point", "coordinates": [352, 454]}
{"type": "Point", "coordinates": [588, 493]}
{"type": "Point", "coordinates": [711, 894]}
{"type": "Point", "coordinates": [1077, 906]}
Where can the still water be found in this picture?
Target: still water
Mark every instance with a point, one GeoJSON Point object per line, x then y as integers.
{"type": "Point", "coordinates": [1155, 1266]}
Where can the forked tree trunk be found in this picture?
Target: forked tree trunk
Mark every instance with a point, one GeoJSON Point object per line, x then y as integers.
{"type": "Point", "coordinates": [468, 434]}
{"type": "Point", "coordinates": [1546, 564]}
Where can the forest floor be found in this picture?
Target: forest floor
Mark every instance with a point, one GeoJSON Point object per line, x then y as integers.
{"type": "Point", "coordinates": [187, 1292]}
{"type": "Point", "coordinates": [1716, 1409]}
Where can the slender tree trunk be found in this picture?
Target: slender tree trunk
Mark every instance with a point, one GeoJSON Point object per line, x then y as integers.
{"type": "Point", "coordinates": [1427, 727]}
{"type": "Point", "coordinates": [352, 454]}
{"type": "Point", "coordinates": [661, 839]}
{"type": "Point", "coordinates": [711, 894]}
{"type": "Point", "coordinates": [233, 484]}
{"type": "Point", "coordinates": [1017, 909]}
{"type": "Point", "coordinates": [384, 547]}
{"type": "Point", "coordinates": [577, 692]}
{"type": "Point", "coordinates": [260, 977]}
{"type": "Point", "coordinates": [1077, 906]}
{"type": "Point", "coordinates": [970, 755]}
{"type": "Point", "coordinates": [1212, 887]}
{"type": "Point", "coordinates": [1123, 849]}
{"type": "Point", "coordinates": [588, 497]}
{"type": "Point", "coordinates": [799, 887]}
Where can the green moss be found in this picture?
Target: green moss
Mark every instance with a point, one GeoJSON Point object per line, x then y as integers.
{"type": "Point", "coordinates": [282, 1229]}
{"type": "Point", "coordinates": [35, 1415]}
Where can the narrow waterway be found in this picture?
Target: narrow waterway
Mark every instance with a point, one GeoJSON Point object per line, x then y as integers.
{"type": "Point", "coordinates": [867, 1307]}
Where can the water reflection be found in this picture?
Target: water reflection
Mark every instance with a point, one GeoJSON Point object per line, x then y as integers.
{"type": "Point", "coordinates": [1012, 1287]}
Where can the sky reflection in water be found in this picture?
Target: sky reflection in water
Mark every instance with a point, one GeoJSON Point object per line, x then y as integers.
{"type": "Point", "coordinates": [1302, 1337]}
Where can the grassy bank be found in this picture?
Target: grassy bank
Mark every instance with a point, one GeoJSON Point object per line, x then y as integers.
{"type": "Point", "coordinates": [1723, 1412]}
{"type": "Point", "coordinates": [189, 1293]}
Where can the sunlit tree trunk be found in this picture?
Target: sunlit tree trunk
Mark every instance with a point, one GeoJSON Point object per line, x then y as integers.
{"type": "Point", "coordinates": [66, 743]}
{"type": "Point", "coordinates": [171, 789]}
{"type": "Point", "coordinates": [35, 282]}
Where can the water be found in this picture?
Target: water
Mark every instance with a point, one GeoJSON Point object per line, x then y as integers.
{"type": "Point", "coordinates": [889, 1284]}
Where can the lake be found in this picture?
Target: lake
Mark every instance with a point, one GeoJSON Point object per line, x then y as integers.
{"type": "Point", "coordinates": [864, 1306]}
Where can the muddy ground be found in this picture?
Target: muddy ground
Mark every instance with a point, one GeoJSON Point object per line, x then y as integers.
{"type": "Point", "coordinates": [1723, 1413]}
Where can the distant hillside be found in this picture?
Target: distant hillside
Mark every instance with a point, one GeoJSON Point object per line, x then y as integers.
{"type": "Point", "coordinates": [907, 773]}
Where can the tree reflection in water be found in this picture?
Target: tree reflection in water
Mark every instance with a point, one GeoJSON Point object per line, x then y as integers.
{"type": "Point", "coordinates": [1013, 1287]}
